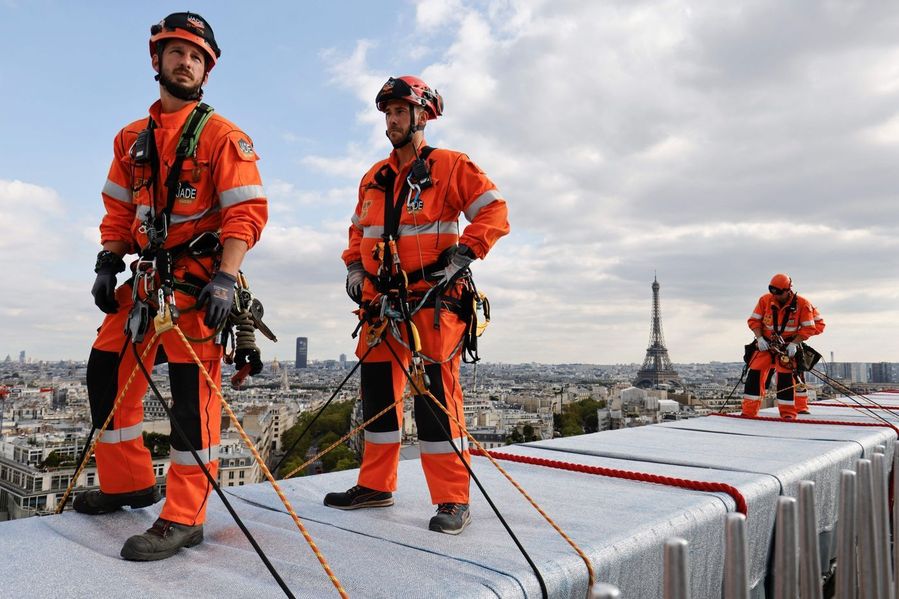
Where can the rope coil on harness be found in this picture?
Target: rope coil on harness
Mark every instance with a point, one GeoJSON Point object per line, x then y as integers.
{"type": "Point", "coordinates": [685, 483]}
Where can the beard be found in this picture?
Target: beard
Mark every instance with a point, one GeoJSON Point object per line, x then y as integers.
{"type": "Point", "coordinates": [182, 92]}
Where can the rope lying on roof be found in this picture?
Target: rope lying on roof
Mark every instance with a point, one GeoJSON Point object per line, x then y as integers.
{"type": "Point", "coordinates": [810, 421]}
{"type": "Point", "coordinates": [819, 404]}
{"type": "Point", "coordinates": [695, 485]}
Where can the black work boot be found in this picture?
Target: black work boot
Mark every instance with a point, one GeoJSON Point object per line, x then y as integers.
{"type": "Point", "coordinates": [97, 502]}
{"type": "Point", "coordinates": [359, 497]}
{"type": "Point", "coordinates": [161, 540]}
{"type": "Point", "coordinates": [451, 518]}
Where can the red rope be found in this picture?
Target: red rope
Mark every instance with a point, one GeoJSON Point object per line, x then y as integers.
{"type": "Point", "coordinates": [853, 405]}
{"type": "Point", "coordinates": [809, 421]}
{"type": "Point", "coordinates": [696, 485]}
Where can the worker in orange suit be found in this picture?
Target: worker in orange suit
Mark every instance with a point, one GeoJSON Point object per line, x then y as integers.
{"type": "Point", "coordinates": [190, 215]}
{"type": "Point", "coordinates": [781, 321]}
{"type": "Point", "coordinates": [416, 196]}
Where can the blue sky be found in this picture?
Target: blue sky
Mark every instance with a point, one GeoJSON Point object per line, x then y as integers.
{"type": "Point", "coordinates": [712, 143]}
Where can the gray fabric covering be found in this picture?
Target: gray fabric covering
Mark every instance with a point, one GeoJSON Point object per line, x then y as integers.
{"type": "Point", "coordinates": [388, 552]}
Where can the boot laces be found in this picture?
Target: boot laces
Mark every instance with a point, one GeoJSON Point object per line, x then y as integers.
{"type": "Point", "coordinates": [447, 508]}
{"type": "Point", "coordinates": [160, 528]}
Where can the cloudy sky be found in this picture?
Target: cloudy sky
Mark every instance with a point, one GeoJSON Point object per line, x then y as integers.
{"type": "Point", "coordinates": [709, 143]}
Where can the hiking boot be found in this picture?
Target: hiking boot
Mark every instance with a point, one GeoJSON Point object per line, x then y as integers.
{"type": "Point", "coordinates": [451, 518]}
{"type": "Point", "coordinates": [97, 502]}
{"type": "Point", "coordinates": [161, 540]}
{"type": "Point", "coordinates": [359, 497]}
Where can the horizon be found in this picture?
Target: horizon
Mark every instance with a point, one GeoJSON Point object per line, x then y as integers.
{"type": "Point", "coordinates": [698, 142]}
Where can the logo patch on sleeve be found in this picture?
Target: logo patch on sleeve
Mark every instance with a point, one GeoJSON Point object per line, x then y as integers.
{"type": "Point", "coordinates": [245, 146]}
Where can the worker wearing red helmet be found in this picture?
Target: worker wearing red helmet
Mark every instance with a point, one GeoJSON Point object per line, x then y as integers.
{"type": "Point", "coordinates": [780, 321]}
{"type": "Point", "coordinates": [427, 190]}
{"type": "Point", "coordinates": [184, 194]}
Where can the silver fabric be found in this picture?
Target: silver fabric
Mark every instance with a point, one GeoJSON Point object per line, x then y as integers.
{"type": "Point", "coordinates": [621, 525]}
{"type": "Point", "coordinates": [117, 192]}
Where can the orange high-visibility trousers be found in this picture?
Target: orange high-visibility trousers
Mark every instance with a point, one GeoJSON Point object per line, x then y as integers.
{"type": "Point", "coordinates": [754, 391]}
{"type": "Point", "coordinates": [383, 381]}
{"type": "Point", "coordinates": [123, 463]}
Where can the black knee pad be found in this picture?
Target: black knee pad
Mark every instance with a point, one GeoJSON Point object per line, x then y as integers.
{"type": "Point", "coordinates": [102, 383]}
{"type": "Point", "coordinates": [185, 383]}
{"type": "Point", "coordinates": [377, 394]}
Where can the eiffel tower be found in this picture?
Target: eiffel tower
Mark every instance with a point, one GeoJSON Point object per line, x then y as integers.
{"type": "Point", "coordinates": [657, 367]}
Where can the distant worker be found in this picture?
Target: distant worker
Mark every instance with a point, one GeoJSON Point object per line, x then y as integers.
{"type": "Point", "coordinates": [781, 321]}
{"type": "Point", "coordinates": [183, 193]}
{"type": "Point", "coordinates": [415, 197]}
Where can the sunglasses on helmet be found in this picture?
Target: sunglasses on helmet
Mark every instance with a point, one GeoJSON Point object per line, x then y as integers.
{"type": "Point", "coordinates": [776, 290]}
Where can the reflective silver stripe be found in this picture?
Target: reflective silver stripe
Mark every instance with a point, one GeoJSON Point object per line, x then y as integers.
{"type": "Point", "coordinates": [488, 197]}
{"type": "Point", "coordinates": [771, 328]}
{"type": "Point", "coordinates": [752, 397]}
{"type": "Point", "coordinates": [755, 316]}
{"type": "Point", "coordinates": [372, 231]}
{"type": "Point", "coordinates": [356, 221]}
{"type": "Point", "coordinates": [117, 192]}
{"type": "Point", "coordinates": [236, 195]}
{"type": "Point", "coordinates": [383, 438]}
{"type": "Point", "coordinates": [443, 446]}
{"type": "Point", "coordinates": [785, 402]}
{"type": "Point", "coordinates": [122, 434]}
{"type": "Point", "coordinates": [143, 212]}
{"type": "Point", "coordinates": [438, 228]}
{"type": "Point", "coordinates": [185, 458]}
{"type": "Point", "coordinates": [185, 218]}
{"type": "Point", "coordinates": [807, 323]}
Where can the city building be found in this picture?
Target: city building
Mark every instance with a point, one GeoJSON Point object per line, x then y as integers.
{"type": "Point", "coordinates": [302, 352]}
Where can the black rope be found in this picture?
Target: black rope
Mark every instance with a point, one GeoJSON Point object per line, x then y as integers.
{"type": "Point", "coordinates": [322, 409]}
{"type": "Point", "coordinates": [834, 383]}
{"type": "Point", "coordinates": [742, 374]}
{"type": "Point", "coordinates": [177, 428]}
{"type": "Point", "coordinates": [471, 473]}
{"type": "Point", "coordinates": [90, 435]}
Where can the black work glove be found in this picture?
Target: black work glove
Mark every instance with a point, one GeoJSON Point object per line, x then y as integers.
{"type": "Point", "coordinates": [456, 258]}
{"type": "Point", "coordinates": [251, 356]}
{"type": "Point", "coordinates": [219, 292]}
{"type": "Point", "coordinates": [355, 276]}
{"type": "Point", "coordinates": [107, 267]}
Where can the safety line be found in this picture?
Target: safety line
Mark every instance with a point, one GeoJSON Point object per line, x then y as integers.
{"type": "Point", "coordinates": [695, 485]}
{"type": "Point", "coordinates": [264, 468]}
{"type": "Point", "coordinates": [99, 433]}
{"type": "Point", "coordinates": [809, 421]}
{"type": "Point", "coordinates": [820, 404]}
{"type": "Point", "coordinates": [176, 427]}
{"type": "Point", "coordinates": [355, 431]}
{"type": "Point", "coordinates": [319, 413]}
{"type": "Point", "coordinates": [427, 393]}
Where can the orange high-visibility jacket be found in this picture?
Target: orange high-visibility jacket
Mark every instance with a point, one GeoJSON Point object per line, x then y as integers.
{"type": "Point", "coordinates": [804, 321]}
{"type": "Point", "coordinates": [460, 187]}
{"type": "Point", "coordinates": [219, 189]}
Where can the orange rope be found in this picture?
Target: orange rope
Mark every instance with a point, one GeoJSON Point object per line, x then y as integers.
{"type": "Point", "coordinates": [578, 550]}
{"type": "Point", "coordinates": [115, 405]}
{"type": "Point", "coordinates": [265, 470]}
{"type": "Point", "coordinates": [342, 439]}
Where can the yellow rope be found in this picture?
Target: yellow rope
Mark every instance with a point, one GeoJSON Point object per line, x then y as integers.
{"type": "Point", "coordinates": [118, 400]}
{"type": "Point", "coordinates": [264, 468]}
{"type": "Point", "coordinates": [342, 439]}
